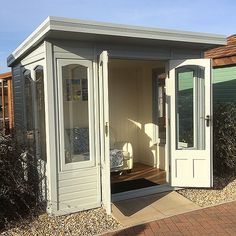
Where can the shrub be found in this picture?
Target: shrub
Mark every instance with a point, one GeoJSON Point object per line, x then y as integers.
{"type": "Point", "coordinates": [17, 194]}
{"type": "Point", "coordinates": [225, 139]}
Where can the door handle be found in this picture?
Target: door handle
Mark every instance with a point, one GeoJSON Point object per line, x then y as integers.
{"type": "Point", "coordinates": [106, 129]}
{"type": "Point", "coordinates": [207, 119]}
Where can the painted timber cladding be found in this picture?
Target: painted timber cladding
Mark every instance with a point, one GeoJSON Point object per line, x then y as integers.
{"type": "Point", "coordinates": [18, 102]}
{"type": "Point", "coordinates": [224, 85]}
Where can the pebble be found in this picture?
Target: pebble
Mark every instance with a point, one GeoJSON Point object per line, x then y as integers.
{"type": "Point", "coordinates": [224, 190]}
{"type": "Point", "coordinates": [90, 222]}
{"type": "Point", "coordinates": [96, 221]}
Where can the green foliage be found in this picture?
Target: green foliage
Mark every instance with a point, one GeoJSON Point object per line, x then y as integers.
{"type": "Point", "coordinates": [225, 139]}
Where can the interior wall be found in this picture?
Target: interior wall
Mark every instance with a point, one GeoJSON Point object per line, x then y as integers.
{"type": "Point", "coordinates": [131, 110]}
{"type": "Point", "coordinates": [146, 135]}
{"type": "Point", "coordinates": [123, 97]}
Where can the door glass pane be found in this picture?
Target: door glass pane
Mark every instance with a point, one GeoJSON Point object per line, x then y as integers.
{"type": "Point", "coordinates": [76, 115]}
{"type": "Point", "coordinates": [190, 106]}
{"type": "Point", "coordinates": [185, 109]}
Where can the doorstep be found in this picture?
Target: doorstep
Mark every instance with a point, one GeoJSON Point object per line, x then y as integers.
{"type": "Point", "coordinates": [153, 207]}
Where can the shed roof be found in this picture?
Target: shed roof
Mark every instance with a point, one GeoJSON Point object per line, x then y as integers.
{"type": "Point", "coordinates": [224, 55]}
{"type": "Point", "coordinates": [6, 75]}
{"type": "Point", "coordinates": [63, 28]}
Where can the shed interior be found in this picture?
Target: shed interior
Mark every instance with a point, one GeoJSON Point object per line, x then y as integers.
{"type": "Point", "coordinates": [137, 127]}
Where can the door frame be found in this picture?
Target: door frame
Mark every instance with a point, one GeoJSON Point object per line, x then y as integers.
{"type": "Point", "coordinates": [150, 190]}
{"type": "Point", "coordinates": [104, 131]}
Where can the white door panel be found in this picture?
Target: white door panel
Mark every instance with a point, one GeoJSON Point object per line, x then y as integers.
{"type": "Point", "coordinates": [190, 130]}
{"type": "Point", "coordinates": [104, 131]}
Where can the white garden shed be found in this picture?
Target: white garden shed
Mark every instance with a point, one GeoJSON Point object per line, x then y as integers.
{"type": "Point", "coordinates": [114, 111]}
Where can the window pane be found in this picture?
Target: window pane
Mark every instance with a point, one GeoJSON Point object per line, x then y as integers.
{"type": "Point", "coordinates": [41, 112]}
{"type": "Point", "coordinates": [76, 117]}
{"type": "Point", "coordinates": [185, 109]}
{"type": "Point", "coordinates": [29, 113]}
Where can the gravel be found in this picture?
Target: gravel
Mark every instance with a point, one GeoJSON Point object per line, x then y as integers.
{"type": "Point", "coordinates": [96, 221]}
{"type": "Point", "coordinates": [90, 222]}
{"type": "Point", "coordinates": [224, 190]}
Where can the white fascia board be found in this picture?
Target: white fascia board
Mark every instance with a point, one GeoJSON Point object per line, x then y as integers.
{"type": "Point", "coordinates": [92, 27]}
{"type": "Point", "coordinates": [110, 29]}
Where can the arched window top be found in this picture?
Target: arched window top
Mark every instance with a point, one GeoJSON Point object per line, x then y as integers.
{"type": "Point", "coordinates": [198, 71]}
{"type": "Point", "coordinates": [27, 74]}
{"type": "Point", "coordinates": [38, 73]}
{"type": "Point", "coordinates": [38, 68]}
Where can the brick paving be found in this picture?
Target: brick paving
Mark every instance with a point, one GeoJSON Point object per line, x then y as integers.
{"type": "Point", "coordinates": [217, 220]}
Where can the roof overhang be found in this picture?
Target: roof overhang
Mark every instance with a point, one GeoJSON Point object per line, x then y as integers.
{"type": "Point", "coordinates": [63, 28]}
{"type": "Point", "coordinates": [6, 75]}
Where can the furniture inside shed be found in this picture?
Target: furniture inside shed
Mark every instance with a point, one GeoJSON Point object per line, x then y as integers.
{"type": "Point", "coordinates": [136, 109]}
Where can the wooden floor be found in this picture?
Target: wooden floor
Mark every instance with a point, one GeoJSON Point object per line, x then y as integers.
{"type": "Point", "coordinates": [141, 171]}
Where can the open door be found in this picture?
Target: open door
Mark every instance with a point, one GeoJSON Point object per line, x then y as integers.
{"type": "Point", "coordinates": [104, 131]}
{"type": "Point", "coordinates": [190, 123]}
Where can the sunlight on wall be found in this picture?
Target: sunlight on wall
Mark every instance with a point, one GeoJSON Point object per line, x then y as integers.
{"type": "Point", "coordinates": [139, 125]}
{"type": "Point", "coordinates": [149, 131]}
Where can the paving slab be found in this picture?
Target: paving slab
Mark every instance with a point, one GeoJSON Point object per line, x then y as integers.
{"type": "Point", "coordinates": [216, 220]}
{"type": "Point", "coordinates": [158, 206]}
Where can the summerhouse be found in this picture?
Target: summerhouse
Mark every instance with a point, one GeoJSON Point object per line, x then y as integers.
{"type": "Point", "coordinates": [114, 111]}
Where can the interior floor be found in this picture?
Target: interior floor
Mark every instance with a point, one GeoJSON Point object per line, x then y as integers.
{"type": "Point", "coordinates": [140, 171]}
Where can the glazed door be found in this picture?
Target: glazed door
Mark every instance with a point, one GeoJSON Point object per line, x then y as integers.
{"type": "Point", "coordinates": [190, 123]}
{"type": "Point", "coordinates": [104, 131]}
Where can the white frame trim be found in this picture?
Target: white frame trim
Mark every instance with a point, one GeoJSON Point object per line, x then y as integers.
{"type": "Point", "coordinates": [168, 112]}
{"type": "Point", "coordinates": [76, 165]}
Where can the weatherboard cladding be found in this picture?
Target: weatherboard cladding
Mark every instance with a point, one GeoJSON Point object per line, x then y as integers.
{"type": "Point", "coordinates": [224, 85]}
{"type": "Point", "coordinates": [224, 72]}
{"type": "Point", "coordinates": [18, 102]}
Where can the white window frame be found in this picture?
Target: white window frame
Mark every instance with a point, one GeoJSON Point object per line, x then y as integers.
{"type": "Point", "coordinates": [82, 164]}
